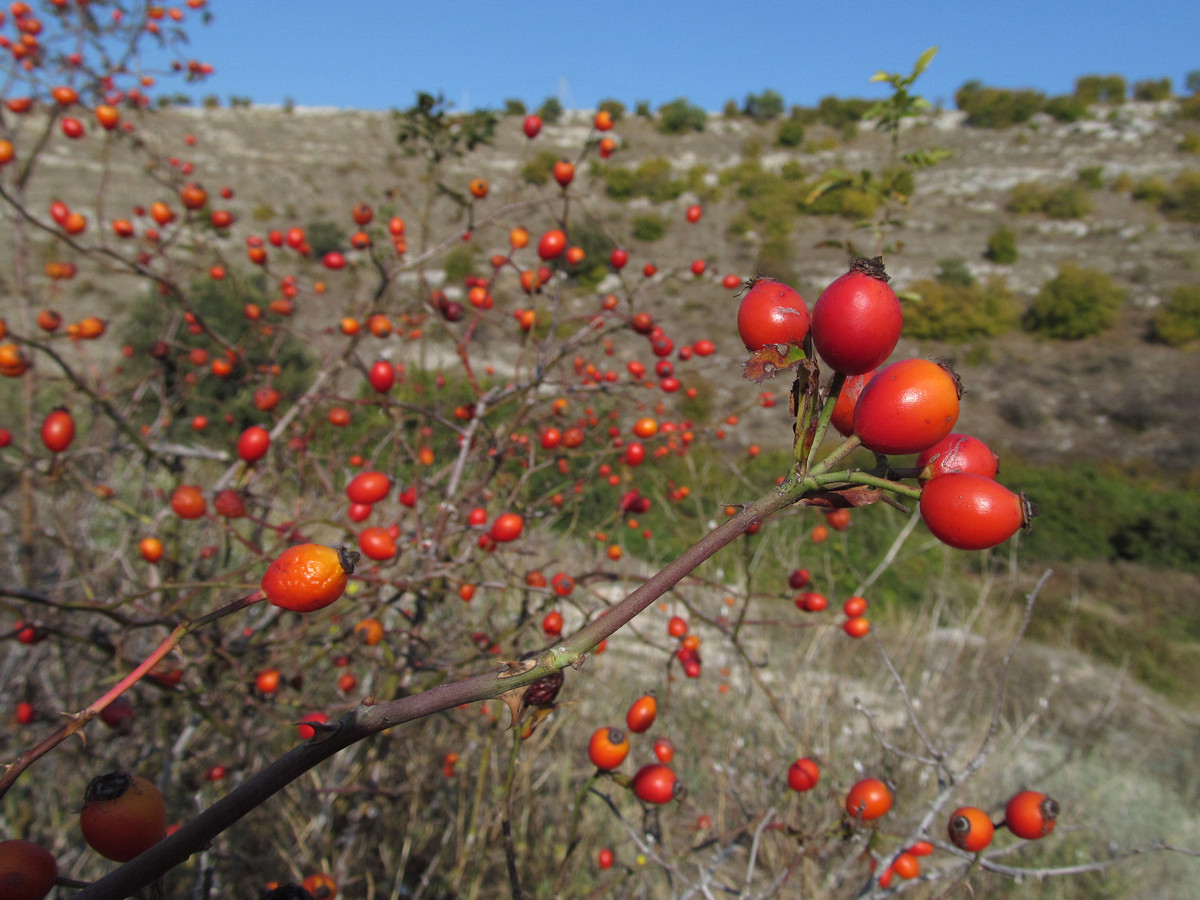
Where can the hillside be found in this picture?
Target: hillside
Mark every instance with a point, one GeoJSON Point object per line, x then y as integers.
{"type": "Point", "coordinates": [1115, 396]}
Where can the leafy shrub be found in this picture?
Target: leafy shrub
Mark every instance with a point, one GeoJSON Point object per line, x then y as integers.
{"type": "Point", "coordinates": [540, 168]}
{"type": "Point", "coordinates": [1076, 303]}
{"type": "Point", "coordinates": [1152, 189]}
{"type": "Point", "coordinates": [325, 236]}
{"type": "Point", "coordinates": [1182, 200]}
{"type": "Point", "coordinates": [1091, 177]}
{"type": "Point", "coordinates": [614, 108]}
{"type": "Point", "coordinates": [775, 259]}
{"type": "Point", "coordinates": [731, 110]}
{"type": "Point", "coordinates": [1067, 201]}
{"type": "Point", "coordinates": [1190, 143]}
{"type": "Point", "coordinates": [514, 107]}
{"type": "Point", "coordinates": [653, 179]}
{"type": "Point", "coordinates": [1152, 89]}
{"type": "Point", "coordinates": [1002, 246]}
{"type": "Point", "coordinates": [649, 228]}
{"type": "Point", "coordinates": [550, 111]}
{"type": "Point", "coordinates": [763, 107]}
{"type": "Point", "coordinates": [642, 109]}
{"type": "Point", "coordinates": [1189, 107]}
{"type": "Point", "coordinates": [460, 261]}
{"type": "Point", "coordinates": [679, 116]}
{"type": "Point", "coordinates": [988, 107]}
{"type": "Point", "coordinates": [1100, 88]}
{"type": "Point", "coordinates": [790, 133]}
{"type": "Point", "coordinates": [1065, 108]}
{"type": "Point", "coordinates": [839, 113]}
{"type": "Point", "coordinates": [597, 245]}
{"type": "Point", "coordinates": [953, 272]}
{"type": "Point", "coordinates": [220, 304]}
{"type": "Point", "coordinates": [1091, 511]}
{"type": "Point", "coordinates": [1178, 322]}
{"type": "Point", "coordinates": [956, 312]}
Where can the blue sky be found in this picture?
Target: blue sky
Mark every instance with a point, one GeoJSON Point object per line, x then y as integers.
{"type": "Point", "coordinates": [375, 54]}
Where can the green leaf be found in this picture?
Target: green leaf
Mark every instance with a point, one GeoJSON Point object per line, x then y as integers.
{"type": "Point", "coordinates": [924, 60]}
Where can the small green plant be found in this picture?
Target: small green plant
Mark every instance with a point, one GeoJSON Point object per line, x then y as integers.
{"type": "Point", "coordinates": [459, 262]}
{"type": "Point", "coordinates": [514, 107]}
{"type": "Point", "coordinates": [1091, 177]}
{"type": "Point", "coordinates": [1152, 89]}
{"type": "Point", "coordinates": [649, 228]}
{"type": "Point", "coordinates": [538, 170]}
{"type": "Point", "coordinates": [1182, 200]}
{"type": "Point", "coordinates": [550, 111]}
{"type": "Point", "coordinates": [1065, 108]}
{"type": "Point", "coordinates": [1076, 303]}
{"type": "Point", "coordinates": [953, 272]}
{"type": "Point", "coordinates": [614, 108]}
{"type": "Point", "coordinates": [957, 312]}
{"type": "Point", "coordinates": [1002, 246]}
{"type": "Point", "coordinates": [1178, 322]}
{"type": "Point", "coordinates": [325, 236]}
{"type": "Point", "coordinates": [763, 107]}
{"type": "Point", "coordinates": [653, 179]}
{"type": "Point", "coordinates": [1150, 190]}
{"type": "Point", "coordinates": [1190, 143]}
{"type": "Point", "coordinates": [1063, 202]}
{"type": "Point", "coordinates": [790, 133]}
{"type": "Point", "coordinates": [988, 107]}
{"type": "Point", "coordinates": [679, 116]}
{"type": "Point", "coordinates": [1109, 89]}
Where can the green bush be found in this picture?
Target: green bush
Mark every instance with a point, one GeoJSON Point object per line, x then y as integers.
{"type": "Point", "coordinates": [514, 107]}
{"type": "Point", "coordinates": [1090, 511]}
{"type": "Point", "coordinates": [1151, 189]}
{"type": "Point", "coordinates": [325, 236]}
{"type": "Point", "coordinates": [1182, 200]}
{"type": "Point", "coordinates": [1100, 88]}
{"type": "Point", "coordinates": [649, 228]}
{"type": "Point", "coordinates": [1189, 107]}
{"type": "Point", "coordinates": [653, 179]}
{"type": "Point", "coordinates": [642, 109]}
{"type": "Point", "coordinates": [790, 133]}
{"type": "Point", "coordinates": [220, 305]}
{"type": "Point", "coordinates": [460, 262]}
{"type": "Point", "coordinates": [679, 116]}
{"type": "Point", "coordinates": [1190, 143]}
{"type": "Point", "coordinates": [731, 110]}
{"type": "Point", "coordinates": [839, 113]}
{"type": "Point", "coordinates": [1178, 322]}
{"type": "Point", "coordinates": [1091, 177]}
{"type": "Point", "coordinates": [540, 168]}
{"type": "Point", "coordinates": [763, 107]}
{"type": "Point", "coordinates": [1002, 246]}
{"type": "Point", "coordinates": [597, 246]}
{"type": "Point", "coordinates": [1065, 108]}
{"type": "Point", "coordinates": [1076, 303]}
{"type": "Point", "coordinates": [614, 108]}
{"type": "Point", "coordinates": [988, 107]}
{"type": "Point", "coordinates": [957, 312]}
{"type": "Point", "coordinates": [550, 111]}
{"type": "Point", "coordinates": [1152, 89]}
{"type": "Point", "coordinates": [1067, 201]}
{"type": "Point", "coordinates": [953, 272]}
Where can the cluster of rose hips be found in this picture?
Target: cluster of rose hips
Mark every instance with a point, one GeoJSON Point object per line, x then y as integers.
{"type": "Point", "coordinates": [608, 746]}
{"type": "Point", "coordinates": [907, 407]}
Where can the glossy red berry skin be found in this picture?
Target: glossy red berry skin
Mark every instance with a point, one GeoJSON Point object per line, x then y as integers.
{"type": "Point", "coordinates": [972, 512]}
{"type": "Point", "coordinates": [772, 313]}
{"type": "Point", "coordinates": [857, 319]}
{"type": "Point", "coordinates": [655, 783]}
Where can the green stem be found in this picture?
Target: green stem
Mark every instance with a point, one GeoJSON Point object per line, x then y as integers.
{"type": "Point", "coordinates": [835, 388]}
